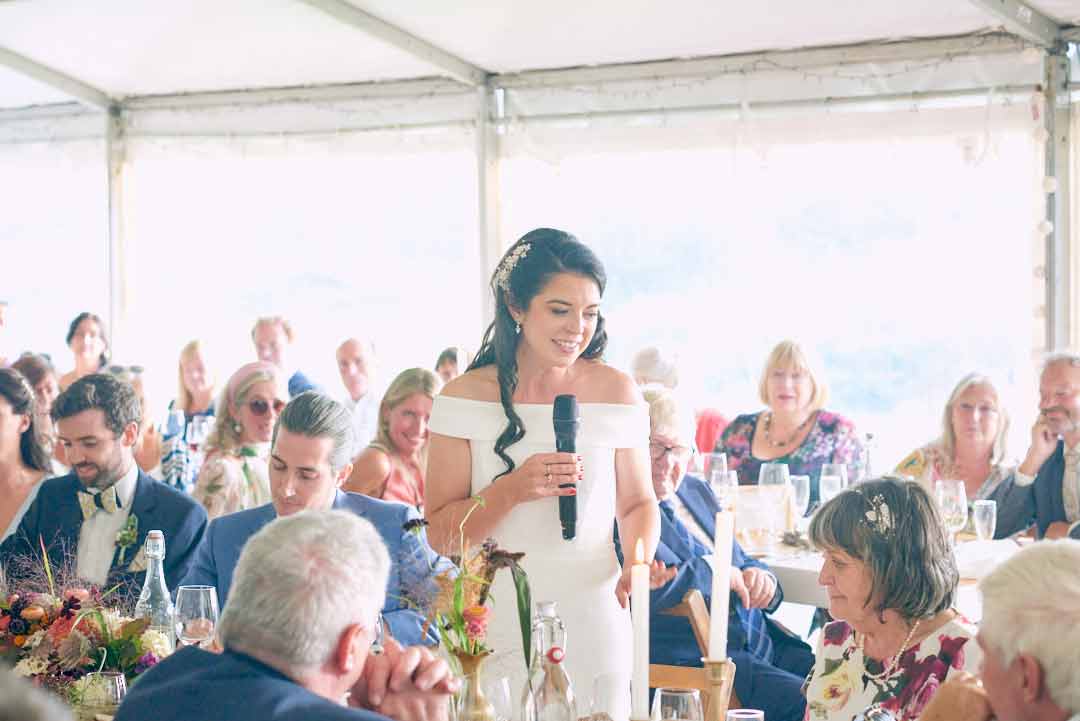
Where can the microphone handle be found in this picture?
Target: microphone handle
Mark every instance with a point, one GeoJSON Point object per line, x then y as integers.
{"type": "Point", "coordinates": [565, 443]}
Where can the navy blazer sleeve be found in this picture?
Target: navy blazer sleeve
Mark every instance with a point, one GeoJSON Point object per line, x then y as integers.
{"type": "Point", "coordinates": [182, 547]}
{"type": "Point", "coordinates": [202, 570]}
{"type": "Point", "coordinates": [418, 565]}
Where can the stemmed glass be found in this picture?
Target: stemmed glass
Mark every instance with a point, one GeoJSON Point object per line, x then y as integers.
{"type": "Point", "coordinates": [714, 467]}
{"type": "Point", "coordinates": [832, 481]}
{"type": "Point", "coordinates": [952, 500]}
{"type": "Point", "coordinates": [726, 490]}
{"type": "Point", "coordinates": [610, 697]}
{"type": "Point", "coordinates": [984, 515]}
{"type": "Point", "coordinates": [197, 432]}
{"type": "Point", "coordinates": [677, 704]}
{"type": "Point", "coordinates": [800, 486]}
{"type": "Point", "coordinates": [196, 615]}
{"type": "Point", "coordinates": [773, 474]}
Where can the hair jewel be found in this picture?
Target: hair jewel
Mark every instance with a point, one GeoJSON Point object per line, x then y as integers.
{"type": "Point", "coordinates": [879, 517]}
{"type": "Point", "coordinates": [502, 275]}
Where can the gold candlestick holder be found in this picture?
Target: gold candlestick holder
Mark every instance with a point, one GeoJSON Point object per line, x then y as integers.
{"type": "Point", "coordinates": [720, 673]}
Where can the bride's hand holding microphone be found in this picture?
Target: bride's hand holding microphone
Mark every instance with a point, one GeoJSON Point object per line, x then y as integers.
{"type": "Point", "coordinates": [547, 475]}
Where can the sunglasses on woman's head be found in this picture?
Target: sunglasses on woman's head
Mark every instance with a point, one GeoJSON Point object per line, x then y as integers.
{"type": "Point", "coordinates": [125, 370]}
{"type": "Point", "coordinates": [260, 407]}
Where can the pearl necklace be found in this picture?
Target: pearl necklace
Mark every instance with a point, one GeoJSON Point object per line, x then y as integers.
{"type": "Point", "coordinates": [794, 435]}
{"type": "Point", "coordinates": [888, 671]}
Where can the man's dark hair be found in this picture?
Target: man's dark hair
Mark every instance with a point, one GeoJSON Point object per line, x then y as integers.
{"type": "Point", "coordinates": [116, 398]}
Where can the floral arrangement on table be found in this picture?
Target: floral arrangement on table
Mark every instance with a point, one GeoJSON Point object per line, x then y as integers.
{"type": "Point", "coordinates": [55, 638]}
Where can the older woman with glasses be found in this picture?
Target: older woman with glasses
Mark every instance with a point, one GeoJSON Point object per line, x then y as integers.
{"type": "Point", "coordinates": [891, 578]}
{"type": "Point", "coordinates": [235, 475]}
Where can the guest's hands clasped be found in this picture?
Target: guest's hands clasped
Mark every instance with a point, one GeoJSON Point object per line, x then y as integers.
{"type": "Point", "coordinates": [406, 684]}
{"type": "Point", "coordinates": [541, 475]}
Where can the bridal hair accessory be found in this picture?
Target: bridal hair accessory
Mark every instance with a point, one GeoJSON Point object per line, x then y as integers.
{"type": "Point", "coordinates": [502, 275]}
{"type": "Point", "coordinates": [879, 517]}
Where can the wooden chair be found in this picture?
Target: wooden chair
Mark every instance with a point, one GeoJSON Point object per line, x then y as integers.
{"type": "Point", "coordinates": [693, 608]}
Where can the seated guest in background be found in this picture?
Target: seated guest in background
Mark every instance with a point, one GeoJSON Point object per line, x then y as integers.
{"type": "Point", "coordinates": [653, 368]}
{"type": "Point", "coordinates": [100, 513]}
{"type": "Point", "coordinates": [147, 449]}
{"type": "Point", "coordinates": [24, 458]}
{"type": "Point", "coordinates": [891, 578]}
{"type": "Point", "coordinates": [770, 663]}
{"type": "Point", "coordinates": [23, 701]}
{"type": "Point", "coordinates": [795, 429]}
{"type": "Point", "coordinates": [309, 462]}
{"type": "Point", "coordinates": [38, 369]}
{"type": "Point", "coordinates": [301, 639]}
{"type": "Point", "coordinates": [234, 475]}
{"type": "Point", "coordinates": [89, 344]}
{"type": "Point", "coordinates": [392, 467]}
{"type": "Point", "coordinates": [1031, 650]}
{"type": "Point", "coordinates": [710, 426]}
{"type": "Point", "coordinates": [272, 337]}
{"type": "Point", "coordinates": [971, 449]}
{"type": "Point", "coordinates": [356, 363]}
{"type": "Point", "coordinates": [451, 363]}
{"type": "Point", "coordinates": [194, 399]}
{"type": "Point", "coordinates": [1051, 465]}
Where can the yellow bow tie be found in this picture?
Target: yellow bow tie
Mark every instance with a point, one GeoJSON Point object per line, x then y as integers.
{"type": "Point", "coordinates": [106, 501]}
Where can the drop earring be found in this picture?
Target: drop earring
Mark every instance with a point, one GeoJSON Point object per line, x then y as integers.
{"type": "Point", "coordinates": [517, 328]}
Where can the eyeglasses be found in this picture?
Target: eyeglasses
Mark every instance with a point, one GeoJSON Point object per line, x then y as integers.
{"type": "Point", "coordinates": [657, 450]}
{"type": "Point", "coordinates": [126, 370]}
{"type": "Point", "coordinates": [379, 639]}
{"type": "Point", "coordinates": [260, 407]}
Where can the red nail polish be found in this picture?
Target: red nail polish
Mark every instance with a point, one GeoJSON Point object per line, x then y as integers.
{"type": "Point", "coordinates": [573, 491]}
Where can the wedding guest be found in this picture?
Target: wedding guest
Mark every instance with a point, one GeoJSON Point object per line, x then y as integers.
{"type": "Point", "coordinates": [451, 363]}
{"type": "Point", "coordinates": [23, 701]}
{"type": "Point", "coordinates": [356, 363]}
{"type": "Point", "coordinates": [795, 428]}
{"type": "Point", "coordinates": [1031, 650]}
{"type": "Point", "coordinates": [392, 467]}
{"type": "Point", "coordinates": [302, 639]}
{"type": "Point", "coordinates": [272, 337]}
{"type": "Point", "coordinates": [38, 369]}
{"type": "Point", "coordinates": [710, 426]}
{"type": "Point", "coordinates": [24, 458]}
{"type": "Point", "coordinates": [90, 346]}
{"type": "Point", "coordinates": [147, 448]}
{"type": "Point", "coordinates": [1050, 466]}
{"type": "Point", "coordinates": [972, 449]}
{"type": "Point", "coordinates": [891, 578]}
{"type": "Point", "coordinates": [101, 512]}
{"type": "Point", "coordinates": [310, 459]}
{"type": "Point", "coordinates": [770, 663]}
{"type": "Point", "coordinates": [194, 400]}
{"type": "Point", "coordinates": [234, 475]}
{"type": "Point", "coordinates": [492, 439]}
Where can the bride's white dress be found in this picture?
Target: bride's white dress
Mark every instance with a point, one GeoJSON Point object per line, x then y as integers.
{"type": "Point", "coordinates": [580, 574]}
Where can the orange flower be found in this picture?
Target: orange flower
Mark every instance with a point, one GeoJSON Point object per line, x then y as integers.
{"type": "Point", "coordinates": [33, 613]}
{"type": "Point", "coordinates": [20, 640]}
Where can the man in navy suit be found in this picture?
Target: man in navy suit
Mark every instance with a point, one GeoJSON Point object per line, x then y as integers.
{"type": "Point", "coordinates": [310, 459]}
{"type": "Point", "coordinates": [301, 641]}
{"type": "Point", "coordinates": [770, 663]}
{"type": "Point", "coordinates": [99, 514]}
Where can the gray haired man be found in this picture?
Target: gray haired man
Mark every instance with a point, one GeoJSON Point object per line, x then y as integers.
{"type": "Point", "coordinates": [300, 639]}
{"type": "Point", "coordinates": [311, 457]}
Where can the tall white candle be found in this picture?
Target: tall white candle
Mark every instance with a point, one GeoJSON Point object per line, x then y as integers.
{"type": "Point", "coordinates": [639, 606]}
{"type": "Point", "coordinates": [721, 584]}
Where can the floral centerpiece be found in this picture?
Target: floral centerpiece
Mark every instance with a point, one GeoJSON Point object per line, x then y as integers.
{"type": "Point", "coordinates": [55, 638]}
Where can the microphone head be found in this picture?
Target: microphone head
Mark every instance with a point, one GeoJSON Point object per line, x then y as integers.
{"type": "Point", "coordinates": [566, 408]}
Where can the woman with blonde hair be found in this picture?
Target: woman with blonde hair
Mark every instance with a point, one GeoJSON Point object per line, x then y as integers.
{"type": "Point", "coordinates": [235, 475]}
{"type": "Point", "coordinates": [795, 428]}
{"type": "Point", "coordinates": [194, 404]}
{"type": "Point", "coordinates": [393, 466]}
{"type": "Point", "coordinates": [972, 449]}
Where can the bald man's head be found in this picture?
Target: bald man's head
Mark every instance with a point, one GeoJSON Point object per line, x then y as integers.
{"type": "Point", "coordinates": [356, 363]}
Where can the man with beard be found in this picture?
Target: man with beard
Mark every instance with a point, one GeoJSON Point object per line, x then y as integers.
{"type": "Point", "coordinates": [99, 514]}
{"type": "Point", "coordinates": [1052, 462]}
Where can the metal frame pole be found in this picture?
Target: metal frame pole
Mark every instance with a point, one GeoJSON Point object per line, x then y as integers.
{"type": "Point", "coordinates": [1060, 314]}
{"type": "Point", "coordinates": [487, 170]}
{"type": "Point", "coordinates": [114, 247]}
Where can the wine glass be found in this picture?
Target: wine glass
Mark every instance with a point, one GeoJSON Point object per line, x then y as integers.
{"type": "Point", "coordinates": [102, 692]}
{"type": "Point", "coordinates": [497, 691]}
{"type": "Point", "coordinates": [715, 467]}
{"type": "Point", "coordinates": [196, 614]}
{"type": "Point", "coordinates": [801, 494]}
{"type": "Point", "coordinates": [610, 697]}
{"type": "Point", "coordinates": [677, 704]}
{"type": "Point", "coordinates": [832, 481]}
{"type": "Point", "coordinates": [197, 431]}
{"type": "Point", "coordinates": [726, 490]}
{"type": "Point", "coordinates": [773, 474]}
{"type": "Point", "coordinates": [952, 500]}
{"type": "Point", "coordinates": [984, 515]}
{"type": "Point", "coordinates": [745, 714]}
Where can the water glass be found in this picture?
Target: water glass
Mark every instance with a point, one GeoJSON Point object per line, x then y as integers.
{"type": "Point", "coordinates": [102, 692]}
{"type": "Point", "coordinates": [198, 431]}
{"type": "Point", "coordinates": [773, 474]}
{"type": "Point", "coordinates": [800, 494]}
{"type": "Point", "coordinates": [610, 697]}
{"type": "Point", "coordinates": [196, 615]}
{"type": "Point", "coordinates": [715, 467]}
{"type": "Point", "coordinates": [677, 704]}
{"type": "Point", "coordinates": [952, 502]}
{"type": "Point", "coordinates": [497, 691]}
{"type": "Point", "coordinates": [745, 714]}
{"type": "Point", "coordinates": [984, 515]}
{"type": "Point", "coordinates": [726, 490]}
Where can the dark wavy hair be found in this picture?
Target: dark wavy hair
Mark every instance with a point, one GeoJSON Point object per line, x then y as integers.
{"type": "Point", "coordinates": [550, 252]}
{"type": "Point", "coordinates": [912, 567]}
{"type": "Point", "coordinates": [16, 390]}
{"type": "Point", "coordinates": [113, 396]}
{"type": "Point", "coordinates": [86, 315]}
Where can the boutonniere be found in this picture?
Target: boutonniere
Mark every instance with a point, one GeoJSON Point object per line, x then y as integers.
{"type": "Point", "coordinates": [127, 536]}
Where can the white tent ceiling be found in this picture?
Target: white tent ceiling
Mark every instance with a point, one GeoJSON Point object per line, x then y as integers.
{"type": "Point", "coordinates": [131, 47]}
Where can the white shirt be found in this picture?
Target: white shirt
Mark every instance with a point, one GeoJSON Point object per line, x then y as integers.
{"type": "Point", "coordinates": [97, 537]}
{"type": "Point", "coordinates": [365, 418]}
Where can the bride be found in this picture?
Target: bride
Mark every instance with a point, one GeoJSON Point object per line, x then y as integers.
{"type": "Point", "coordinates": [492, 438]}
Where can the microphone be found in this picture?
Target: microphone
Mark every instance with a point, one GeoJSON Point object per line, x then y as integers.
{"type": "Point", "coordinates": [566, 420]}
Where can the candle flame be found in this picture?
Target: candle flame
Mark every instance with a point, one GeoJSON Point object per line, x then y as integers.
{"type": "Point", "coordinates": [639, 551]}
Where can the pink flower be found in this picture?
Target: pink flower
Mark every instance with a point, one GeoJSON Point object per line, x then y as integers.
{"type": "Point", "coordinates": [923, 697]}
{"type": "Point", "coordinates": [836, 633]}
{"type": "Point", "coordinates": [476, 621]}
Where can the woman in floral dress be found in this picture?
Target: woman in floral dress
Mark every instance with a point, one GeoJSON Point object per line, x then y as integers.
{"type": "Point", "coordinates": [795, 428]}
{"type": "Point", "coordinates": [891, 579]}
